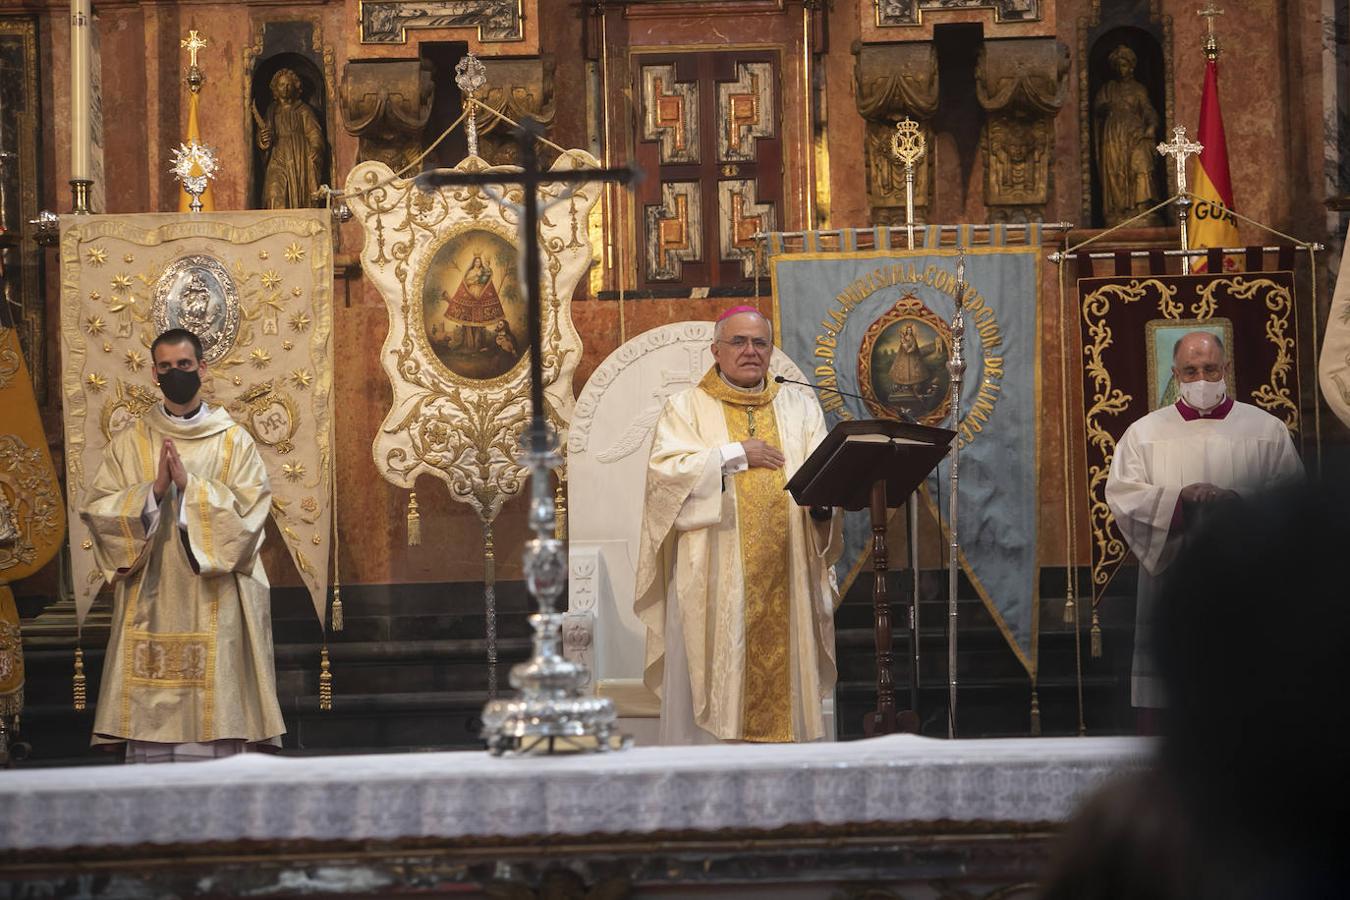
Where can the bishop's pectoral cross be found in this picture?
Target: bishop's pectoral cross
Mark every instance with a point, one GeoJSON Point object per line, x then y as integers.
{"type": "Point", "coordinates": [1179, 148]}
{"type": "Point", "coordinates": [750, 420]}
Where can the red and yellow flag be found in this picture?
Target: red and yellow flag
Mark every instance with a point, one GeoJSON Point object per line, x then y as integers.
{"type": "Point", "coordinates": [1212, 221]}
{"type": "Point", "coordinates": [194, 134]}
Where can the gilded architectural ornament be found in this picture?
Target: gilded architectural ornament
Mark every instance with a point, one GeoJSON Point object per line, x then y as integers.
{"type": "Point", "coordinates": [1021, 85]}
{"type": "Point", "coordinates": [517, 88]}
{"type": "Point", "coordinates": [446, 264]}
{"type": "Point", "coordinates": [386, 103]}
{"type": "Point", "coordinates": [493, 21]}
{"type": "Point", "coordinates": [895, 82]}
{"type": "Point", "coordinates": [211, 275]}
{"type": "Point", "coordinates": [891, 13]}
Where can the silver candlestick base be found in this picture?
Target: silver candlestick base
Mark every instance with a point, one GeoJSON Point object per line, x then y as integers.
{"type": "Point", "coordinates": [552, 713]}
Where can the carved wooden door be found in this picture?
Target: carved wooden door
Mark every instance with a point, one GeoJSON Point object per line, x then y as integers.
{"type": "Point", "coordinates": [709, 138]}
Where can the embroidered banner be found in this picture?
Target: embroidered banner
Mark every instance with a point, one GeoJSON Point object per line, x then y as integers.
{"type": "Point", "coordinates": [446, 263]}
{"type": "Point", "coordinates": [32, 517]}
{"type": "Point", "coordinates": [256, 287]}
{"type": "Point", "coordinates": [875, 323]}
{"type": "Point", "coordinates": [1130, 326]}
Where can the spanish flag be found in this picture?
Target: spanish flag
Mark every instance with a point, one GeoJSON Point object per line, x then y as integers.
{"type": "Point", "coordinates": [1213, 224]}
{"type": "Point", "coordinates": [194, 133]}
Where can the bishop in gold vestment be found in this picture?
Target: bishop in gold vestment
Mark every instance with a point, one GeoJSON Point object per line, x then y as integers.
{"type": "Point", "coordinates": [735, 582]}
{"type": "Point", "coordinates": [189, 659]}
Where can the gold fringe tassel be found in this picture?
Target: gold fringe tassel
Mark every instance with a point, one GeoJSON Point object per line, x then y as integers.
{"type": "Point", "coordinates": [1070, 611]}
{"type": "Point", "coordinates": [1096, 636]}
{"type": "Point", "coordinates": [325, 681]}
{"type": "Point", "coordinates": [78, 680]}
{"type": "Point", "coordinates": [414, 521]}
{"type": "Point", "coordinates": [337, 608]}
{"type": "Point", "coordinates": [1035, 713]}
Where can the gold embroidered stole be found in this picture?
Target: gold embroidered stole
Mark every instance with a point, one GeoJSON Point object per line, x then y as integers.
{"type": "Point", "coordinates": [762, 520]}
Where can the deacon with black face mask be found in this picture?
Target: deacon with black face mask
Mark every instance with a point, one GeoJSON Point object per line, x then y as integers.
{"type": "Point", "coordinates": [189, 672]}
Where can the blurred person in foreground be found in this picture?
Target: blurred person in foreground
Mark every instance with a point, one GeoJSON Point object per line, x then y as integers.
{"type": "Point", "coordinates": [1172, 465]}
{"type": "Point", "coordinates": [1246, 796]}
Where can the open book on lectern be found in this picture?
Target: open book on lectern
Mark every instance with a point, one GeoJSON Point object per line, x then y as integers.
{"type": "Point", "coordinates": [855, 455]}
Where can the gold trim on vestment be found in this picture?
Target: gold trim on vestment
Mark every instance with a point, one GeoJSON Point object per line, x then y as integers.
{"type": "Point", "coordinates": [762, 520]}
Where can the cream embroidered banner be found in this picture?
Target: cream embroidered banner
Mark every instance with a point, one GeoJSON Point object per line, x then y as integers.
{"type": "Point", "coordinates": [447, 264]}
{"type": "Point", "coordinates": [256, 287]}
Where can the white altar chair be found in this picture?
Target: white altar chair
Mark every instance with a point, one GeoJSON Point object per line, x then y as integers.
{"type": "Point", "coordinates": [608, 442]}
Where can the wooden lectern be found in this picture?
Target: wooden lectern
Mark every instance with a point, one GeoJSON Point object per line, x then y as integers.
{"type": "Point", "coordinates": [876, 464]}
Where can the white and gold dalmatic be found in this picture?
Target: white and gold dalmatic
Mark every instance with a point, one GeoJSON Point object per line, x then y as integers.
{"type": "Point", "coordinates": [190, 654]}
{"type": "Point", "coordinates": [735, 581]}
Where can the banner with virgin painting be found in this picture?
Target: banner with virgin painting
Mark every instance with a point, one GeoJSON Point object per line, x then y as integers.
{"type": "Point", "coordinates": [446, 262]}
{"type": "Point", "coordinates": [257, 289]}
{"type": "Point", "coordinates": [1130, 326]}
{"type": "Point", "coordinates": [875, 322]}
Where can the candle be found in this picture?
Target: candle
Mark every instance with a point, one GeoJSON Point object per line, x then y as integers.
{"type": "Point", "coordinates": [81, 21]}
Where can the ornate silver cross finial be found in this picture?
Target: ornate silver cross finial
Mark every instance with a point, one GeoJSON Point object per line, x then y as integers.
{"type": "Point", "coordinates": [1179, 149]}
{"type": "Point", "coordinates": [1209, 13]}
{"type": "Point", "coordinates": [470, 76]}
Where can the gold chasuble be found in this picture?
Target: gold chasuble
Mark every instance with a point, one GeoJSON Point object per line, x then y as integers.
{"type": "Point", "coordinates": [749, 571]}
{"type": "Point", "coordinates": [190, 654]}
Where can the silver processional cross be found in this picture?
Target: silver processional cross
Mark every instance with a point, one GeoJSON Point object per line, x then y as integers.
{"type": "Point", "coordinates": [1179, 148]}
{"type": "Point", "coordinates": [551, 706]}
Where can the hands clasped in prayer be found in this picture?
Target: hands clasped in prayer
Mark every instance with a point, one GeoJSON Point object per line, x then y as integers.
{"type": "Point", "coordinates": [170, 469]}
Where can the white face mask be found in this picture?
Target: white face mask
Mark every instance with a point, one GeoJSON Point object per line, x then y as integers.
{"type": "Point", "coordinates": [1203, 395]}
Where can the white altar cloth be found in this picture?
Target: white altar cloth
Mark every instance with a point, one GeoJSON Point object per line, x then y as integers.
{"type": "Point", "coordinates": [895, 779]}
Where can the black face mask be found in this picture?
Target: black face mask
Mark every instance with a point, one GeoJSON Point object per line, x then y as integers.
{"type": "Point", "coordinates": [179, 386]}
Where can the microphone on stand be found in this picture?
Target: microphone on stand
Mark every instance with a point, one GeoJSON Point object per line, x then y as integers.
{"type": "Point", "coordinates": [904, 416]}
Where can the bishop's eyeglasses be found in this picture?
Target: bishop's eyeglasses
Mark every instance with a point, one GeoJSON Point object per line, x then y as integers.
{"type": "Point", "coordinates": [740, 340]}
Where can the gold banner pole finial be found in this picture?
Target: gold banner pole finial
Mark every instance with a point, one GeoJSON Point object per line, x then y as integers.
{"type": "Point", "coordinates": [1209, 14]}
{"type": "Point", "coordinates": [192, 43]}
{"type": "Point", "coordinates": [907, 145]}
{"type": "Point", "coordinates": [1179, 148]}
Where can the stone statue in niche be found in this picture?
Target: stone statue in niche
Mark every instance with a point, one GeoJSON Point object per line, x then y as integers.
{"type": "Point", "coordinates": [293, 146]}
{"type": "Point", "coordinates": [1125, 132]}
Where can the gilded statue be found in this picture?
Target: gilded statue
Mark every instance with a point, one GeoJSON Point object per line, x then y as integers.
{"type": "Point", "coordinates": [1126, 126]}
{"type": "Point", "coordinates": [293, 145]}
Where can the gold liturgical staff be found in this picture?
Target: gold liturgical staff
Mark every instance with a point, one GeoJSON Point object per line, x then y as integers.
{"type": "Point", "coordinates": [1126, 126]}
{"type": "Point", "coordinates": [293, 144]}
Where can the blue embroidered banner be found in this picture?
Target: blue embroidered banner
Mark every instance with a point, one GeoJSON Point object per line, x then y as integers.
{"type": "Point", "coordinates": [875, 323]}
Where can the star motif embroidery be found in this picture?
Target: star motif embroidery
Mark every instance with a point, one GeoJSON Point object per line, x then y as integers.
{"type": "Point", "coordinates": [128, 259]}
{"type": "Point", "coordinates": [96, 381]}
{"type": "Point", "coordinates": [299, 322]}
{"type": "Point", "coordinates": [287, 345]}
{"type": "Point", "coordinates": [121, 283]}
{"type": "Point", "coordinates": [262, 254]}
{"type": "Point", "coordinates": [135, 360]}
{"type": "Point", "coordinates": [270, 279]}
{"type": "Point", "coordinates": [97, 256]}
{"type": "Point", "coordinates": [302, 379]}
{"type": "Point", "coordinates": [94, 325]}
{"type": "Point", "coordinates": [294, 252]}
{"type": "Point", "coordinates": [260, 358]}
{"type": "Point", "coordinates": [293, 472]}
